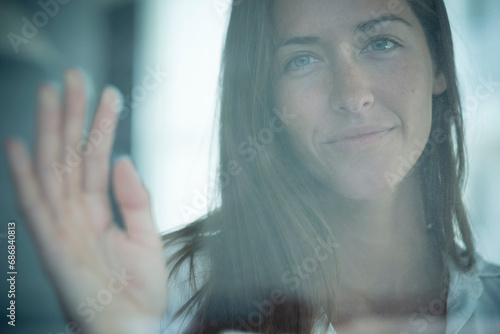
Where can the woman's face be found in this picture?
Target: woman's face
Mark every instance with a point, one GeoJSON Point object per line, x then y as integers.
{"type": "Point", "coordinates": [355, 81]}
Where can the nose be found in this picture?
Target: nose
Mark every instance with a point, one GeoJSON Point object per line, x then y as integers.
{"type": "Point", "coordinates": [350, 89]}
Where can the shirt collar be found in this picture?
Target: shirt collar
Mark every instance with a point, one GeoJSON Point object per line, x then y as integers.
{"type": "Point", "coordinates": [465, 290]}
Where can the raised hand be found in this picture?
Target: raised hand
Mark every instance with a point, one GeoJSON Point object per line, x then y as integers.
{"type": "Point", "coordinates": [108, 280]}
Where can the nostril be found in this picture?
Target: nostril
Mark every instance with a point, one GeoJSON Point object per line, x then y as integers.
{"type": "Point", "coordinates": [355, 103]}
{"type": "Point", "coordinates": [350, 90]}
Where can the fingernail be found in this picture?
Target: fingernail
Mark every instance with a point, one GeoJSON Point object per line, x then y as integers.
{"type": "Point", "coordinates": [48, 97]}
{"type": "Point", "coordinates": [113, 95]}
{"type": "Point", "coordinates": [124, 156]}
{"type": "Point", "coordinates": [72, 78]}
{"type": "Point", "coordinates": [119, 156]}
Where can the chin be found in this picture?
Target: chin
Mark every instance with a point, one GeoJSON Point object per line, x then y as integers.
{"type": "Point", "coordinates": [366, 191]}
{"type": "Point", "coordinates": [362, 186]}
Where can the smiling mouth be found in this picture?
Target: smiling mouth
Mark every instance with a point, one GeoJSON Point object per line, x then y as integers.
{"type": "Point", "coordinates": [362, 139]}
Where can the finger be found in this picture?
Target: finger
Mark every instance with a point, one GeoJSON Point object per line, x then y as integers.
{"type": "Point", "coordinates": [29, 199]}
{"type": "Point", "coordinates": [100, 142]}
{"type": "Point", "coordinates": [133, 200]}
{"type": "Point", "coordinates": [48, 167]}
{"type": "Point", "coordinates": [73, 119]}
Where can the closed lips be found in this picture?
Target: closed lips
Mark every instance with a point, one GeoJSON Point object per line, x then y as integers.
{"type": "Point", "coordinates": [354, 133]}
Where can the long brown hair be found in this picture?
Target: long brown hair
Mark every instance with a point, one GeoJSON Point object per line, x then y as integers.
{"type": "Point", "coordinates": [269, 247]}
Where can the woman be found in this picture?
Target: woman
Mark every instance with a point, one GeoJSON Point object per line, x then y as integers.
{"type": "Point", "coordinates": [341, 168]}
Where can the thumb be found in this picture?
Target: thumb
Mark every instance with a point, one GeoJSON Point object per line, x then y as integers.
{"type": "Point", "coordinates": [133, 200]}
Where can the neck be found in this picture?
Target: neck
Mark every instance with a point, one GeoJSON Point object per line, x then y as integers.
{"type": "Point", "coordinates": [384, 248]}
{"type": "Point", "coordinates": [379, 221]}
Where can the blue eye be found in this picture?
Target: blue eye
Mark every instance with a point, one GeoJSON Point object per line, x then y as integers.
{"type": "Point", "coordinates": [381, 44]}
{"type": "Point", "coordinates": [300, 61]}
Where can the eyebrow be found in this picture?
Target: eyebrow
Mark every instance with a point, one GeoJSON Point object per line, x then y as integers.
{"type": "Point", "coordinates": [302, 40]}
{"type": "Point", "coordinates": [366, 26]}
{"type": "Point", "coordinates": [362, 27]}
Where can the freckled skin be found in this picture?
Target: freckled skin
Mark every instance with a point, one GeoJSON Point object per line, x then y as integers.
{"type": "Point", "coordinates": [345, 81]}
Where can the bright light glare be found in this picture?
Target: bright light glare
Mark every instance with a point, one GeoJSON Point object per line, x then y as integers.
{"type": "Point", "coordinates": [173, 123]}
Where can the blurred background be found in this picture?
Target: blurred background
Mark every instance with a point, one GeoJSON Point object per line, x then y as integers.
{"type": "Point", "coordinates": [164, 56]}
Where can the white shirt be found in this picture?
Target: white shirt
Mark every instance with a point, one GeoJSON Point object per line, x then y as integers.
{"type": "Point", "coordinates": [473, 303]}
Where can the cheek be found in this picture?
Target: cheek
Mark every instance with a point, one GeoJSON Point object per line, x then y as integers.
{"type": "Point", "coordinates": [300, 107]}
{"type": "Point", "coordinates": [419, 117]}
{"type": "Point", "coordinates": [408, 92]}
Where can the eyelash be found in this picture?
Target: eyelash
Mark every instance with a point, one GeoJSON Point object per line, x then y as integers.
{"type": "Point", "coordinates": [383, 38]}
{"type": "Point", "coordinates": [370, 42]}
{"type": "Point", "coordinates": [296, 57]}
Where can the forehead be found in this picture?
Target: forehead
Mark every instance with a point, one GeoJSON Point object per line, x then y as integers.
{"type": "Point", "coordinates": [302, 16]}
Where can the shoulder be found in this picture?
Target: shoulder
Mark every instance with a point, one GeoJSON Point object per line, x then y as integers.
{"type": "Point", "coordinates": [481, 280]}
{"type": "Point", "coordinates": [487, 269]}
{"type": "Point", "coordinates": [473, 299]}
{"type": "Point", "coordinates": [484, 298]}
{"type": "Point", "coordinates": [489, 273]}
{"type": "Point", "coordinates": [486, 316]}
